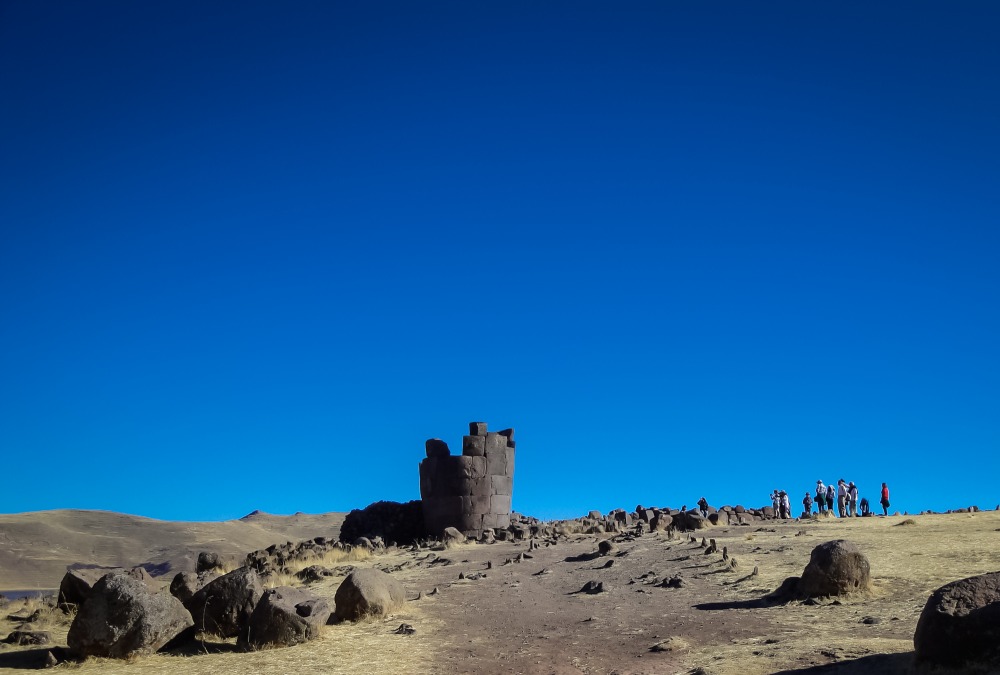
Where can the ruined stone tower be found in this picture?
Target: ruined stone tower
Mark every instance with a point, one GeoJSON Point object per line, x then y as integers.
{"type": "Point", "coordinates": [471, 491]}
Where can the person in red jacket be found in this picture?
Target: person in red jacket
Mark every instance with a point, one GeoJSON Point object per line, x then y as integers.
{"type": "Point", "coordinates": [885, 499]}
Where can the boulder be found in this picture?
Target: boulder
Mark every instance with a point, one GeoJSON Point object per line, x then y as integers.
{"type": "Point", "coordinates": [124, 618]}
{"type": "Point", "coordinates": [452, 537]}
{"type": "Point", "coordinates": [960, 623]}
{"type": "Point", "coordinates": [77, 583]}
{"type": "Point", "coordinates": [285, 617]}
{"type": "Point", "coordinates": [835, 568]}
{"type": "Point", "coordinates": [223, 607]}
{"type": "Point", "coordinates": [209, 562]}
{"type": "Point", "coordinates": [186, 584]}
{"type": "Point", "coordinates": [368, 592]}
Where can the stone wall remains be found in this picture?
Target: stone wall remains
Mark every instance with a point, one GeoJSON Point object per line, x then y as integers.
{"type": "Point", "coordinates": [472, 491]}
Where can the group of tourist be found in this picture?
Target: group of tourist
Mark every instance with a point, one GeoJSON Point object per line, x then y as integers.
{"type": "Point", "coordinates": [781, 504]}
{"type": "Point", "coordinates": [845, 496]}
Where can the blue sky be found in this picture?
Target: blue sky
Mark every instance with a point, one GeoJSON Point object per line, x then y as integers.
{"type": "Point", "coordinates": [253, 254]}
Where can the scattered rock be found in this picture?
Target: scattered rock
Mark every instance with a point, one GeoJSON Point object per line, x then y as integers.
{"type": "Point", "coordinates": [28, 637]}
{"type": "Point", "coordinates": [606, 547]}
{"type": "Point", "coordinates": [124, 618]}
{"type": "Point", "coordinates": [671, 644]}
{"type": "Point", "coordinates": [405, 629]}
{"type": "Point", "coordinates": [870, 620]}
{"type": "Point", "coordinates": [593, 587]}
{"type": "Point", "coordinates": [313, 573]}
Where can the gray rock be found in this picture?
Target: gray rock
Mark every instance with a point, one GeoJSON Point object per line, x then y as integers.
{"type": "Point", "coordinates": [960, 624]}
{"type": "Point", "coordinates": [223, 607]}
{"type": "Point", "coordinates": [368, 592]}
{"type": "Point", "coordinates": [209, 562]}
{"type": "Point", "coordinates": [124, 618]}
{"type": "Point", "coordinates": [285, 617]}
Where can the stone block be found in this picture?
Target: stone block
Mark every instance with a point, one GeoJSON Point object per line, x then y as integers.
{"type": "Point", "coordinates": [474, 446]}
{"type": "Point", "coordinates": [495, 444]}
{"type": "Point", "coordinates": [499, 504]}
{"type": "Point", "coordinates": [501, 485]}
{"type": "Point", "coordinates": [490, 520]}
{"type": "Point", "coordinates": [496, 464]}
{"type": "Point", "coordinates": [471, 467]}
{"type": "Point", "coordinates": [477, 428]}
{"type": "Point", "coordinates": [479, 487]}
{"type": "Point", "coordinates": [503, 521]}
{"type": "Point", "coordinates": [508, 434]}
{"type": "Point", "coordinates": [435, 447]}
{"type": "Point", "coordinates": [480, 505]}
{"type": "Point", "coordinates": [509, 465]}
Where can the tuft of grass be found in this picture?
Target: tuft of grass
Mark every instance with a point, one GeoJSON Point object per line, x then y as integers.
{"type": "Point", "coordinates": [908, 521]}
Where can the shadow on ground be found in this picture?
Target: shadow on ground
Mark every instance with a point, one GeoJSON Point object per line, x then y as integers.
{"type": "Point", "coordinates": [876, 664]}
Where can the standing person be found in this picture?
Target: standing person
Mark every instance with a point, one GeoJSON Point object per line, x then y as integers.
{"type": "Point", "coordinates": [776, 503]}
{"type": "Point", "coordinates": [852, 499]}
{"type": "Point", "coordinates": [831, 497]}
{"type": "Point", "coordinates": [807, 502]}
{"type": "Point", "coordinates": [841, 497]}
{"type": "Point", "coordinates": [885, 499]}
{"type": "Point", "coordinates": [703, 505]}
{"type": "Point", "coordinates": [786, 505]}
{"type": "Point", "coordinates": [820, 497]}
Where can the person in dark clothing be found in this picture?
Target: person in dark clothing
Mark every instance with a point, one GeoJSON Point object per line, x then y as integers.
{"type": "Point", "coordinates": [865, 509]}
{"type": "Point", "coordinates": [807, 504]}
{"type": "Point", "coordinates": [703, 505]}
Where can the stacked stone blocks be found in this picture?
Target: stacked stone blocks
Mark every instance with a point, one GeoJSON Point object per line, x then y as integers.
{"type": "Point", "coordinates": [472, 491]}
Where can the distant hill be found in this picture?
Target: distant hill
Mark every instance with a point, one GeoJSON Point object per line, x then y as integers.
{"type": "Point", "coordinates": [36, 548]}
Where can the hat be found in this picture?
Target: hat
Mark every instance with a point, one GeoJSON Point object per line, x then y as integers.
{"type": "Point", "coordinates": [852, 483]}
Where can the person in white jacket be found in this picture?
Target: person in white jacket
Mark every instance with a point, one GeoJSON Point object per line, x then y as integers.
{"type": "Point", "coordinates": [786, 505]}
{"type": "Point", "coordinates": [841, 497]}
{"type": "Point", "coordinates": [852, 499]}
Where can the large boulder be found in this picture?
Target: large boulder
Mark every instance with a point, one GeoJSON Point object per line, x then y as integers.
{"type": "Point", "coordinates": [960, 623]}
{"type": "Point", "coordinates": [368, 593]}
{"type": "Point", "coordinates": [835, 568]}
{"type": "Point", "coordinates": [223, 607]}
{"type": "Point", "coordinates": [123, 617]}
{"type": "Point", "coordinates": [77, 583]}
{"type": "Point", "coordinates": [284, 617]}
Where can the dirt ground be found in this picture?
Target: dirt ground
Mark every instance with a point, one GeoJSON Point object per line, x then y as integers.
{"type": "Point", "coordinates": [529, 616]}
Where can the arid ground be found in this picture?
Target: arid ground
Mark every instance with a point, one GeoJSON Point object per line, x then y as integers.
{"type": "Point", "coordinates": [527, 616]}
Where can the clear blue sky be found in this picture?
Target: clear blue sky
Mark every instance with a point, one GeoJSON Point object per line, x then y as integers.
{"type": "Point", "coordinates": [253, 254]}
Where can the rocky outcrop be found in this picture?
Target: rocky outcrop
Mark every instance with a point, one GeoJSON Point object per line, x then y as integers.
{"type": "Point", "coordinates": [368, 593]}
{"type": "Point", "coordinates": [224, 606]}
{"type": "Point", "coordinates": [960, 624]}
{"type": "Point", "coordinates": [285, 617]}
{"type": "Point", "coordinates": [124, 618]}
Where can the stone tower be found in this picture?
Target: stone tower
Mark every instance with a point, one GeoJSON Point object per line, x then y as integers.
{"type": "Point", "coordinates": [471, 491]}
